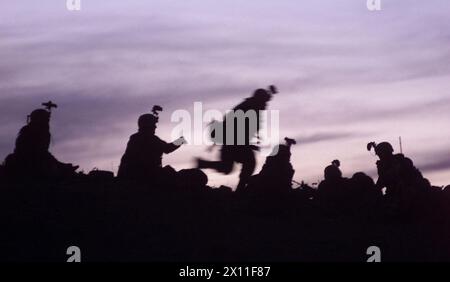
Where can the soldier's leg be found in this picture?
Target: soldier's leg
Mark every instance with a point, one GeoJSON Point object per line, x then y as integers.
{"type": "Point", "coordinates": [248, 167]}
{"type": "Point", "coordinates": [220, 166]}
{"type": "Point", "coordinates": [225, 165]}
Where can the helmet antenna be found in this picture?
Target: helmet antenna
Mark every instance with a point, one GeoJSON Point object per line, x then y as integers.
{"type": "Point", "coordinates": [273, 89]}
{"type": "Point", "coordinates": [371, 145]}
{"type": "Point", "coordinates": [336, 163]}
{"type": "Point", "coordinates": [289, 141]}
{"type": "Point", "coordinates": [49, 105]}
{"type": "Point", "coordinates": [156, 109]}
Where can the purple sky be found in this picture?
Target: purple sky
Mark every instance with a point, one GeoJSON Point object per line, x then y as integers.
{"type": "Point", "coordinates": [346, 75]}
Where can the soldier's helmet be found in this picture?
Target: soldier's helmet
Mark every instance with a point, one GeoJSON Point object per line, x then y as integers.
{"type": "Point", "coordinates": [147, 121]}
{"type": "Point", "coordinates": [384, 148]}
{"type": "Point", "coordinates": [360, 179]}
{"type": "Point", "coordinates": [282, 152]}
{"type": "Point", "coordinates": [39, 116]}
{"type": "Point", "coordinates": [262, 95]}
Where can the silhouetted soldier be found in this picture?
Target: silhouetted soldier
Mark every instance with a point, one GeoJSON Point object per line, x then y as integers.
{"type": "Point", "coordinates": [363, 196]}
{"type": "Point", "coordinates": [364, 186]}
{"type": "Point", "coordinates": [233, 149]}
{"type": "Point", "coordinates": [142, 160]}
{"type": "Point", "coordinates": [31, 155]}
{"type": "Point", "coordinates": [277, 173]}
{"type": "Point", "coordinates": [333, 190]}
{"type": "Point", "coordinates": [397, 174]}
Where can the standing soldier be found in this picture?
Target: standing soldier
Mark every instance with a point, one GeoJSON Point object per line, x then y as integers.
{"type": "Point", "coordinates": [239, 147]}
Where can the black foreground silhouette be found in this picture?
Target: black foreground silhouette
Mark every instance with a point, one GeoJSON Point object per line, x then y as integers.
{"type": "Point", "coordinates": [151, 213]}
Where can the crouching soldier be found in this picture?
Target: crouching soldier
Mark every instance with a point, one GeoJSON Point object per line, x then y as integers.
{"type": "Point", "coordinates": [142, 160]}
{"type": "Point", "coordinates": [397, 173]}
{"type": "Point", "coordinates": [333, 191]}
{"type": "Point", "coordinates": [277, 173]}
{"type": "Point", "coordinates": [31, 159]}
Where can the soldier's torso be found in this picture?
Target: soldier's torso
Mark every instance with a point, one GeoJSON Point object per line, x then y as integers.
{"type": "Point", "coordinates": [32, 140]}
{"type": "Point", "coordinates": [397, 172]}
{"type": "Point", "coordinates": [231, 133]}
{"type": "Point", "coordinates": [145, 150]}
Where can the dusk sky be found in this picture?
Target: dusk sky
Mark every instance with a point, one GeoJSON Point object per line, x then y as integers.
{"type": "Point", "coordinates": [346, 75]}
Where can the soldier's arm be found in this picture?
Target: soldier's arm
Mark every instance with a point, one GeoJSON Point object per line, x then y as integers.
{"type": "Point", "coordinates": [170, 147]}
{"type": "Point", "coordinates": [380, 182]}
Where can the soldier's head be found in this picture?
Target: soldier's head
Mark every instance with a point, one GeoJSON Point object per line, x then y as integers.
{"type": "Point", "coordinates": [281, 152]}
{"type": "Point", "coordinates": [262, 95]}
{"type": "Point", "coordinates": [332, 172]}
{"type": "Point", "coordinates": [39, 117]}
{"type": "Point", "coordinates": [147, 123]}
{"type": "Point", "coordinates": [362, 180]}
{"type": "Point", "coordinates": [384, 150]}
